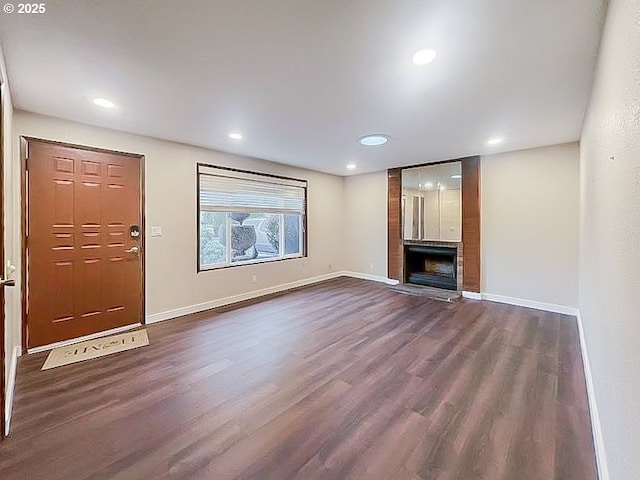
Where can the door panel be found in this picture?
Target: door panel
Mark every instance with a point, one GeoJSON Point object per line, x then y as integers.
{"type": "Point", "coordinates": [2, 274]}
{"type": "Point", "coordinates": [81, 280]}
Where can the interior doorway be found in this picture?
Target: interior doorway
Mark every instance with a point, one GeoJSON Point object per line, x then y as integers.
{"type": "Point", "coordinates": [84, 237]}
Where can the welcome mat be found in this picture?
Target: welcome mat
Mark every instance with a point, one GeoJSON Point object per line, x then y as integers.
{"type": "Point", "coordinates": [99, 347]}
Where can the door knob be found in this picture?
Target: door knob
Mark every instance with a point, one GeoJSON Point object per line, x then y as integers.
{"type": "Point", "coordinates": [135, 250]}
{"type": "Point", "coordinates": [9, 282]}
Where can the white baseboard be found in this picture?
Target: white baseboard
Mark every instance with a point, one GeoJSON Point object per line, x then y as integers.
{"type": "Point", "coordinates": [221, 302]}
{"type": "Point", "coordinates": [521, 302]}
{"type": "Point", "coordinates": [51, 346]}
{"type": "Point", "coordinates": [368, 276]}
{"type": "Point", "coordinates": [11, 387]}
{"type": "Point", "coordinates": [598, 441]}
{"type": "Point", "coordinates": [472, 295]}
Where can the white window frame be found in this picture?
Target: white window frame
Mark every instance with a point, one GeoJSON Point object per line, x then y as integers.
{"type": "Point", "coordinates": [205, 169]}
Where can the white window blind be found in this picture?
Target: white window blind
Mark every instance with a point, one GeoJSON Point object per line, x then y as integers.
{"type": "Point", "coordinates": [223, 190]}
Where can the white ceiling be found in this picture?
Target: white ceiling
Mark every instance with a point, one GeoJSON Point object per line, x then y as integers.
{"type": "Point", "coordinates": [304, 79]}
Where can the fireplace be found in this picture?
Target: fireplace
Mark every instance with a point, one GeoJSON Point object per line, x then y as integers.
{"type": "Point", "coordinates": [433, 266]}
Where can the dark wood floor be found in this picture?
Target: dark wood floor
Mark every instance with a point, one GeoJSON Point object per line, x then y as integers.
{"type": "Point", "coordinates": [342, 380]}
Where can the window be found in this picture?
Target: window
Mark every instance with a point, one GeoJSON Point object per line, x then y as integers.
{"type": "Point", "coordinates": [247, 217]}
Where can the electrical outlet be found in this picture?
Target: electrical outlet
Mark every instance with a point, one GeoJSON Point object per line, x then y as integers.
{"type": "Point", "coordinates": [254, 278]}
{"type": "Point", "coordinates": [371, 266]}
{"type": "Point", "coordinates": [330, 266]}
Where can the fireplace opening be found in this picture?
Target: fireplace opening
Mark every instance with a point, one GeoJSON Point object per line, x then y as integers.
{"type": "Point", "coordinates": [432, 266]}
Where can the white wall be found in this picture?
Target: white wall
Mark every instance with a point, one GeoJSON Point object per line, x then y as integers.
{"type": "Point", "coordinates": [610, 238]}
{"type": "Point", "coordinates": [529, 204]}
{"type": "Point", "coordinates": [365, 211]}
{"type": "Point", "coordinates": [529, 225]}
{"type": "Point", "coordinates": [170, 183]}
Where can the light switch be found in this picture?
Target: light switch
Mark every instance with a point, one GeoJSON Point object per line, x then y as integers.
{"type": "Point", "coordinates": [156, 230]}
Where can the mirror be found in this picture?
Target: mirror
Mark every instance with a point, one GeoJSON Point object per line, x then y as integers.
{"type": "Point", "coordinates": [432, 202]}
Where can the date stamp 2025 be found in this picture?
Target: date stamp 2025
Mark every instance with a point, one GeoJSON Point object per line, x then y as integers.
{"type": "Point", "coordinates": [25, 8]}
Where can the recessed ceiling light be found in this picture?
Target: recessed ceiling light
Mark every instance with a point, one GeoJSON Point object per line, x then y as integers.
{"type": "Point", "coordinates": [235, 136]}
{"type": "Point", "coordinates": [495, 141]}
{"type": "Point", "coordinates": [456, 176]}
{"type": "Point", "coordinates": [424, 57]}
{"type": "Point", "coordinates": [351, 166]}
{"type": "Point", "coordinates": [374, 140]}
{"type": "Point", "coordinates": [104, 103]}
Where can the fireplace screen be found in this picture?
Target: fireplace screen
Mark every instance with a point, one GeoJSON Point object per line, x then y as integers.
{"type": "Point", "coordinates": [433, 266]}
{"type": "Point", "coordinates": [442, 268]}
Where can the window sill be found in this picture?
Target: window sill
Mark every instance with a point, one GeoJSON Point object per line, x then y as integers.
{"type": "Point", "coordinates": [248, 262]}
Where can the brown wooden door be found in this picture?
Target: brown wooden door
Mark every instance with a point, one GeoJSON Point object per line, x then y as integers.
{"type": "Point", "coordinates": [82, 276]}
